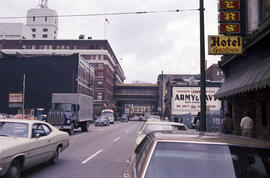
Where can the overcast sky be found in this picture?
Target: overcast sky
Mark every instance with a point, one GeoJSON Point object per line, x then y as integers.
{"type": "Point", "coordinates": [146, 43]}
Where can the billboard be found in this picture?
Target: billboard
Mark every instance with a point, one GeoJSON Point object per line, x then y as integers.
{"type": "Point", "coordinates": [15, 98]}
{"type": "Point", "coordinates": [187, 100]}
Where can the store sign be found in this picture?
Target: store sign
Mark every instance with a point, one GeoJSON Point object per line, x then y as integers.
{"type": "Point", "coordinates": [225, 28]}
{"type": "Point", "coordinates": [229, 16]}
{"type": "Point", "coordinates": [15, 98]}
{"type": "Point", "coordinates": [220, 45]}
{"type": "Point", "coordinates": [187, 100]}
{"type": "Point", "coordinates": [229, 5]}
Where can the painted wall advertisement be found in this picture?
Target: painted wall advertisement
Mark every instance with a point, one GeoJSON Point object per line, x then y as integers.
{"type": "Point", "coordinates": [187, 100]}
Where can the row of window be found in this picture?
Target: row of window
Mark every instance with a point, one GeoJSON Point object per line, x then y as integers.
{"type": "Point", "coordinates": [45, 19]}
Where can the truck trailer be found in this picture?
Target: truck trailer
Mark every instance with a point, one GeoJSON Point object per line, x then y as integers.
{"type": "Point", "coordinates": [71, 111]}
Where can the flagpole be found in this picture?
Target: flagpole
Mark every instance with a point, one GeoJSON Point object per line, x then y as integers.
{"type": "Point", "coordinates": [104, 29]}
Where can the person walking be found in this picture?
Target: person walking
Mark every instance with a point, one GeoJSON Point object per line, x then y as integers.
{"type": "Point", "coordinates": [227, 125]}
{"type": "Point", "coordinates": [246, 125]}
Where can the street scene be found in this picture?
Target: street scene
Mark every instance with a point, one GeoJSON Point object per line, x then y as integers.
{"type": "Point", "coordinates": [154, 89]}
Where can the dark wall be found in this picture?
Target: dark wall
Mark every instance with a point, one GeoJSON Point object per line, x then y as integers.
{"type": "Point", "coordinates": [43, 76]}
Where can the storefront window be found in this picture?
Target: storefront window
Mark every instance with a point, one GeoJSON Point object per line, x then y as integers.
{"type": "Point", "coordinates": [265, 9]}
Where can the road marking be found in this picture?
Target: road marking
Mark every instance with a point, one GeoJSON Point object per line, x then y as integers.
{"type": "Point", "coordinates": [127, 131]}
{"type": "Point", "coordinates": [91, 157]}
{"type": "Point", "coordinates": [116, 139]}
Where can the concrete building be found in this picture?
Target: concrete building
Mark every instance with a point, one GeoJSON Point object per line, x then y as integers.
{"type": "Point", "coordinates": [247, 77]}
{"type": "Point", "coordinates": [14, 31]}
{"type": "Point", "coordinates": [41, 23]}
{"type": "Point", "coordinates": [98, 53]}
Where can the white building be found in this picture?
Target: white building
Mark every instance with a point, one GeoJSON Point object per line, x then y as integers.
{"type": "Point", "coordinates": [43, 23]}
{"type": "Point", "coordinates": [14, 31]}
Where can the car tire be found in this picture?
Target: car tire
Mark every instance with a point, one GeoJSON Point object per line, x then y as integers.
{"type": "Point", "coordinates": [55, 155]}
{"type": "Point", "coordinates": [71, 130]}
{"type": "Point", "coordinates": [14, 170]}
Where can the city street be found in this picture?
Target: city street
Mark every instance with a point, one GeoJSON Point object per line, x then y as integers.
{"type": "Point", "coordinates": [100, 153]}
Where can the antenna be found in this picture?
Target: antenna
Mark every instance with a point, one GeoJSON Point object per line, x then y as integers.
{"type": "Point", "coordinates": [43, 4]}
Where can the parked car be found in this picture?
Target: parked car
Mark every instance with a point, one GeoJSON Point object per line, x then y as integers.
{"type": "Point", "coordinates": [20, 116]}
{"type": "Point", "coordinates": [177, 154]}
{"type": "Point", "coordinates": [26, 143]}
{"type": "Point", "coordinates": [151, 126]}
{"type": "Point", "coordinates": [124, 117]}
{"type": "Point", "coordinates": [102, 121]}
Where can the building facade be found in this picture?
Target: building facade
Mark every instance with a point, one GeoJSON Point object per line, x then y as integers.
{"type": "Point", "coordinates": [247, 76]}
{"type": "Point", "coordinates": [43, 76]}
{"type": "Point", "coordinates": [98, 53]}
{"type": "Point", "coordinates": [214, 73]}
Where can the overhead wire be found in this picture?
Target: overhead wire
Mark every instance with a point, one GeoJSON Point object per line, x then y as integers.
{"type": "Point", "coordinates": [103, 14]}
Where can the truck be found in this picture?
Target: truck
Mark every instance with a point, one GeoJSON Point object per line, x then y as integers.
{"type": "Point", "coordinates": [108, 113]}
{"type": "Point", "coordinates": [70, 111]}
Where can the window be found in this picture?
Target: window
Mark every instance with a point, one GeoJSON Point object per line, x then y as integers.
{"type": "Point", "coordinates": [41, 46]}
{"type": "Point", "coordinates": [99, 95]}
{"type": "Point", "coordinates": [265, 9]}
{"type": "Point", "coordinates": [264, 113]}
{"type": "Point", "coordinates": [50, 46]}
{"type": "Point", "coordinates": [100, 66]}
{"type": "Point", "coordinates": [41, 129]}
{"type": "Point", "coordinates": [33, 47]}
{"type": "Point", "coordinates": [23, 46]}
{"type": "Point", "coordinates": [100, 84]}
{"type": "Point", "coordinates": [34, 19]}
{"type": "Point", "coordinates": [97, 57]}
{"type": "Point", "coordinates": [33, 30]}
{"type": "Point", "coordinates": [141, 152]}
{"type": "Point", "coordinates": [217, 73]}
{"type": "Point", "coordinates": [101, 57]}
{"type": "Point", "coordinates": [100, 74]}
{"type": "Point", "coordinates": [45, 29]}
{"type": "Point", "coordinates": [45, 46]}
{"type": "Point", "coordinates": [45, 36]}
{"type": "Point", "coordinates": [45, 19]}
{"type": "Point", "coordinates": [57, 46]}
{"type": "Point", "coordinates": [34, 35]}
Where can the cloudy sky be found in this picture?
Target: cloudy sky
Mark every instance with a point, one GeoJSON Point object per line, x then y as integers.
{"type": "Point", "coordinates": [146, 43]}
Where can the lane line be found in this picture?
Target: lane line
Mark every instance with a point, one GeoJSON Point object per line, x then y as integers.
{"type": "Point", "coordinates": [91, 157]}
{"type": "Point", "coordinates": [127, 131]}
{"type": "Point", "coordinates": [116, 139]}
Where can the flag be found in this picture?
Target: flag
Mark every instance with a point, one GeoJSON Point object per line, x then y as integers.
{"type": "Point", "coordinates": [106, 20]}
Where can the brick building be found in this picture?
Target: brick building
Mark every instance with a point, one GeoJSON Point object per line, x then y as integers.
{"type": "Point", "coordinates": [247, 77]}
{"type": "Point", "coordinates": [98, 53]}
{"type": "Point", "coordinates": [214, 73]}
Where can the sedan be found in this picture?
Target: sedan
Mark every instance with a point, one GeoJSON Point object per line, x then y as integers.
{"type": "Point", "coordinates": [177, 154]}
{"type": "Point", "coordinates": [151, 126]}
{"type": "Point", "coordinates": [102, 121]}
{"type": "Point", "coordinates": [26, 143]}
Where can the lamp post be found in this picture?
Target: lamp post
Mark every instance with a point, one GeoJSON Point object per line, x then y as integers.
{"type": "Point", "coordinates": [203, 90]}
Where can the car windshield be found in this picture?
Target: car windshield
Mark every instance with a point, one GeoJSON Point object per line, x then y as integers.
{"type": "Point", "coordinates": [203, 161]}
{"type": "Point", "coordinates": [13, 129]}
{"type": "Point", "coordinates": [158, 126]}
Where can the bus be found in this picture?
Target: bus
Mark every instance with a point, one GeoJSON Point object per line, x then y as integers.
{"type": "Point", "coordinates": [109, 114]}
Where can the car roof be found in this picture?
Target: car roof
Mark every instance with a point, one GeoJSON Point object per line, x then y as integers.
{"type": "Point", "coordinates": [164, 123]}
{"type": "Point", "coordinates": [21, 121]}
{"type": "Point", "coordinates": [207, 138]}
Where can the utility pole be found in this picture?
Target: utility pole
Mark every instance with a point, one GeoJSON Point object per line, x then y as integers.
{"type": "Point", "coordinates": [23, 96]}
{"type": "Point", "coordinates": [203, 90]}
{"type": "Point", "coordinates": [161, 94]}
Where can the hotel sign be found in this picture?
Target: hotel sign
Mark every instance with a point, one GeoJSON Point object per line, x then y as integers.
{"type": "Point", "coordinates": [229, 5]}
{"type": "Point", "coordinates": [220, 45]}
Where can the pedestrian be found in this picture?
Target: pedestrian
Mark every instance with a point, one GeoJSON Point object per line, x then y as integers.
{"type": "Point", "coordinates": [198, 121]}
{"type": "Point", "coordinates": [227, 125]}
{"type": "Point", "coordinates": [246, 125]}
{"type": "Point", "coordinates": [180, 119]}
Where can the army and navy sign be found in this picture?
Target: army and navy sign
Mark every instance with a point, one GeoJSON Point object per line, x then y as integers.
{"type": "Point", "coordinates": [220, 45]}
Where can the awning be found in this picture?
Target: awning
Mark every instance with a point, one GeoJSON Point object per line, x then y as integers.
{"type": "Point", "coordinates": [254, 77]}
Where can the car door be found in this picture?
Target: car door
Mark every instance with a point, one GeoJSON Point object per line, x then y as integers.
{"type": "Point", "coordinates": [41, 146]}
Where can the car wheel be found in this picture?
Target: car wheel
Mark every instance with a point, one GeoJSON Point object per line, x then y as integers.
{"type": "Point", "coordinates": [85, 126]}
{"type": "Point", "coordinates": [55, 155]}
{"type": "Point", "coordinates": [14, 170]}
{"type": "Point", "coordinates": [71, 130]}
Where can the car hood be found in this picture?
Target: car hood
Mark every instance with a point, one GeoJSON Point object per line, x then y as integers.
{"type": "Point", "coordinates": [10, 144]}
{"type": "Point", "coordinates": [100, 120]}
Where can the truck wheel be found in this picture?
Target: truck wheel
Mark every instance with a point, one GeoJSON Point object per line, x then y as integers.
{"type": "Point", "coordinates": [71, 130]}
{"type": "Point", "coordinates": [14, 170]}
{"type": "Point", "coordinates": [85, 126]}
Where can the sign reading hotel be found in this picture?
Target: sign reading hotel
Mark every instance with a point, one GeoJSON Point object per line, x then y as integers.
{"type": "Point", "coordinates": [15, 98]}
{"type": "Point", "coordinates": [220, 45]}
{"type": "Point", "coordinates": [187, 100]}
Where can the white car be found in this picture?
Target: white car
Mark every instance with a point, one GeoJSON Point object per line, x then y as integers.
{"type": "Point", "coordinates": [151, 126]}
{"type": "Point", "coordinates": [26, 143]}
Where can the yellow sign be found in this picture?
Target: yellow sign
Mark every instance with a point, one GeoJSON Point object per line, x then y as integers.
{"type": "Point", "coordinates": [219, 45]}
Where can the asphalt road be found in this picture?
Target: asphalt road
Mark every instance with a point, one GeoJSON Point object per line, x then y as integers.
{"type": "Point", "coordinates": [100, 153]}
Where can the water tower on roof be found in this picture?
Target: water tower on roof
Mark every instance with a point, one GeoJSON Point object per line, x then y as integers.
{"type": "Point", "coordinates": [42, 21]}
